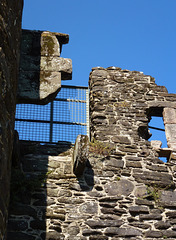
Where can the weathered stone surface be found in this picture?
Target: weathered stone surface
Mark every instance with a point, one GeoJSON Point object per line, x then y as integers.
{"type": "Point", "coordinates": [140, 191]}
{"type": "Point", "coordinates": [170, 130]}
{"type": "Point", "coordinates": [114, 163]}
{"type": "Point", "coordinates": [168, 198]}
{"type": "Point", "coordinates": [140, 225]}
{"type": "Point", "coordinates": [154, 178]}
{"type": "Point", "coordinates": [169, 115]}
{"type": "Point", "coordinates": [171, 214]}
{"type": "Point", "coordinates": [134, 210]}
{"type": "Point", "coordinates": [153, 234]}
{"type": "Point", "coordinates": [122, 187]}
{"type": "Point", "coordinates": [123, 232]}
{"type": "Point", "coordinates": [89, 207]}
{"type": "Point", "coordinates": [156, 144]}
{"type": "Point", "coordinates": [133, 164]}
{"type": "Point", "coordinates": [105, 223]}
{"type": "Point", "coordinates": [162, 225]}
{"type": "Point", "coordinates": [121, 139]}
{"type": "Point", "coordinates": [150, 217]}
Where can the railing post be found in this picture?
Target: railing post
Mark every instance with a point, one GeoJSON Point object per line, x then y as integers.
{"type": "Point", "coordinates": [87, 113]}
{"type": "Point", "coordinates": [51, 121]}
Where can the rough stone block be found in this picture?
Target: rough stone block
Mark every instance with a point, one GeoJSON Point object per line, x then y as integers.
{"type": "Point", "coordinates": [155, 178]}
{"type": "Point", "coordinates": [169, 116]}
{"type": "Point", "coordinates": [123, 232]}
{"type": "Point", "coordinates": [170, 130]}
{"type": "Point", "coordinates": [134, 210]}
{"type": "Point", "coordinates": [156, 144]}
{"type": "Point", "coordinates": [168, 199]}
{"type": "Point", "coordinates": [122, 187]}
{"type": "Point", "coordinates": [153, 234]}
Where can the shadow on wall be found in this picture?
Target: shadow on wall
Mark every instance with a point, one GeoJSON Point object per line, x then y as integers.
{"type": "Point", "coordinates": [29, 190]}
{"type": "Point", "coordinates": [86, 180]}
{"type": "Point", "coordinates": [29, 74]}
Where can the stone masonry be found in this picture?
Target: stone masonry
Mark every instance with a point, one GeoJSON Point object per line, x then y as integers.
{"type": "Point", "coordinates": [10, 32]}
{"type": "Point", "coordinates": [121, 190]}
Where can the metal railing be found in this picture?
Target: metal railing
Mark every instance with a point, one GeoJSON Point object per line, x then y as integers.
{"type": "Point", "coordinates": [61, 120]}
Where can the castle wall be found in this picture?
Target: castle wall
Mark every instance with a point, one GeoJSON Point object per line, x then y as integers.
{"type": "Point", "coordinates": [10, 30]}
{"type": "Point", "coordinates": [125, 190]}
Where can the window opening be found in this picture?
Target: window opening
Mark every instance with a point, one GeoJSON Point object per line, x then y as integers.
{"type": "Point", "coordinates": [157, 129]}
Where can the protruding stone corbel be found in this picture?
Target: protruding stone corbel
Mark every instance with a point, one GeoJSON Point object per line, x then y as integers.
{"type": "Point", "coordinates": [80, 154]}
{"type": "Point", "coordinates": [41, 67]}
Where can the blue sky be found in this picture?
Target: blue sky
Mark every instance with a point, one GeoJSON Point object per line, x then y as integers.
{"type": "Point", "coordinates": [132, 34]}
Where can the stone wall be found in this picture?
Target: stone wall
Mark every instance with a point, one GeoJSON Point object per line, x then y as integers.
{"type": "Point", "coordinates": [121, 190]}
{"type": "Point", "coordinates": [10, 31]}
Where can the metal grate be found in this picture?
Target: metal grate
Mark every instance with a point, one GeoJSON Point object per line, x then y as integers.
{"type": "Point", "coordinates": [61, 120]}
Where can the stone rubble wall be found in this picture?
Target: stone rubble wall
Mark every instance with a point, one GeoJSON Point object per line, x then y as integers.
{"type": "Point", "coordinates": [125, 191]}
{"type": "Point", "coordinates": [10, 32]}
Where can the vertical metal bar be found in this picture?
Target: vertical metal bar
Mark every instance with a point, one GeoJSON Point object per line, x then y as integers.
{"type": "Point", "coordinates": [51, 121]}
{"type": "Point", "coordinates": [87, 113]}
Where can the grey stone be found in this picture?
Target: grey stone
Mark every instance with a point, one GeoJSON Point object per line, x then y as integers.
{"type": "Point", "coordinates": [114, 163]}
{"type": "Point", "coordinates": [140, 191]}
{"type": "Point", "coordinates": [90, 232]}
{"type": "Point", "coordinates": [121, 139]}
{"type": "Point", "coordinates": [140, 225]}
{"type": "Point", "coordinates": [134, 210]}
{"type": "Point", "coordinates": [73, 229]}
{"type": "Point", "coordinates": [153, 234]}
{"type": "Point", "coordinates": [104, 223]}
{"type": "Point", "coordinates": [133, 164]}
{"type": "Point", "coordinates": [150, 217]}
{"type": "Point", "coordinates": [162, 225]}
{"type": "Point", "coordinates": [122, 187]}
{"type": "Point", "coordinates": [169, 233]}
{"type": "Point", "coordinates": [89, 207]}
{"type": "Point", "coordinates": [123, 232]}
{"type": "Point", "coordinates": [155, 178]}
{"type": "Point", "coordinates": [168, 199]}
{"type": "Point", "coordinates": [171, 214]}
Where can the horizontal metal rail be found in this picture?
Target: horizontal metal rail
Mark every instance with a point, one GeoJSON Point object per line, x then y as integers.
{"type": "Point", "coordinates": [45, 121]}
{"type": "Point", "coordinates": [160, 129]}
{"type": "Point", "coordinates": [69, 100]}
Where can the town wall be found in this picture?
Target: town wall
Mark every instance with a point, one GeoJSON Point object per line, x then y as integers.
{"type": "Point", "coordinates": [116, 186]}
